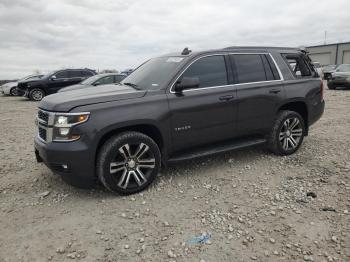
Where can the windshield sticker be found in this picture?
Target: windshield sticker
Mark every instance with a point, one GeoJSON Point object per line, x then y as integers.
{"type": "Point", "coordinates": [174, 59]}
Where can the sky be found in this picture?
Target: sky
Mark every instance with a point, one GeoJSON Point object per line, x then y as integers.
{"type": "Point", "coordinates": [45, 35]}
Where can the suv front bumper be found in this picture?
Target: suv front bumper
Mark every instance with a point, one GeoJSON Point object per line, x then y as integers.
{"type": "Point", "coordinates": [72, 161]}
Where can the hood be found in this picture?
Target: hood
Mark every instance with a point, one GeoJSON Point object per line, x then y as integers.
{"type": "Point", "coordinates": [341, 74]}
{"type": "Point", "coordinates": [73, 87]}
{"type": "Point", "coordinates": [9, 84]}
{"type": "Point", "coordinates": [65, 101]}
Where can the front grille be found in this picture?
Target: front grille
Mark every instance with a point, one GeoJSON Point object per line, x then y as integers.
{"type": "Point", "coordinates": [44, 116]}
{"type": "Point", "coordinates": [42, 133]}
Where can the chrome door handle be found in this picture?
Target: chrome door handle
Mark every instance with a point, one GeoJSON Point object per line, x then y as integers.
{"type": "Point", "coordinates": [274, 91]}
{"type": "Point", "coordinates": [226, 98]}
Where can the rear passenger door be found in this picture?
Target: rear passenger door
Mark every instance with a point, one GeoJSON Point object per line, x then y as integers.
{"type": "Point", "coordinates": [205, 114]}
{"type": "Point", "coordinates": [259, 92]}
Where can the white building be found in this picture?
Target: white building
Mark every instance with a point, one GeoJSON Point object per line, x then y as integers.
{"type": "Point", "coordinates": [330, 54]}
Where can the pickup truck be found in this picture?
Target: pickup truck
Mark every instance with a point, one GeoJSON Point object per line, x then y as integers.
{"type": "Point", "coordinates": [177, 107]}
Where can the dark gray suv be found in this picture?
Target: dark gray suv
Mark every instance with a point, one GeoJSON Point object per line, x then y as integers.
{"type": "Point", "coordinates": [177, 107]}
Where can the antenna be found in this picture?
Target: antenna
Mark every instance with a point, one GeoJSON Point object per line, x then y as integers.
{"type": "Point", "coordinates": [186, 51]}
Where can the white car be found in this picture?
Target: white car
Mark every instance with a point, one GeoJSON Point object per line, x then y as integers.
{"type": "Point", "coordinates": [10, 88]}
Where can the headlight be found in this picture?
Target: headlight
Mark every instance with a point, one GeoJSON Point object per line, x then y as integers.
{"type": "Point", "coordinates": [63, 123]}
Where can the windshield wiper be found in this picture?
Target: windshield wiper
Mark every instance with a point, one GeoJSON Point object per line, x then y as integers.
{"type": "Point", "coordinates": [132, 85]}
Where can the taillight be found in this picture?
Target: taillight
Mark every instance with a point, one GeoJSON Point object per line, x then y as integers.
{"type": "Point", "coordinates": [322, 90]}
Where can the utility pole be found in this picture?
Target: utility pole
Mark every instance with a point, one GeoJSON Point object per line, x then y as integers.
{"type": "Point", "coordinates": [325, 37]}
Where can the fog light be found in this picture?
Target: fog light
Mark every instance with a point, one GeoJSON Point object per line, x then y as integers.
{"type": "Point", "coordinates": [63, 131]}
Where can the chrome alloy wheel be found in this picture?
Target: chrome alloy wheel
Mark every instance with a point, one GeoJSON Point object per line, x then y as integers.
{"type": "Point", "coordinates": [133, 165]}
{"type": "Point", "coordinates": [37, 95]}
{"type": "Point", "coordinates": [290, 133]}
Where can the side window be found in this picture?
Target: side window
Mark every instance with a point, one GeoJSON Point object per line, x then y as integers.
{"type": "Point", "coordinates": [273, 67]}
{"type": "Point", "coordinates": [267, 67]}
{"type": "Point", "coordinates": [118, 78]}
{"type": "Point", "coordinates": [86, 73]}
{"type": "Point", "coordinates": [211, 71]}
{"type": "Point", "coordinates": [298, 65]}
{"type": "Point", "coordinates": [75, 73]}
{"type": "Point", "coordinates": [105, 80]}
{"type": "Point", "coordinates": [61, 74]}
{"type": "Point", "coordinates": [249, 68]}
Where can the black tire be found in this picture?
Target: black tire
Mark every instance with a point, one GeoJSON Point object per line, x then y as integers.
{"type": "Point", "coordinates": [330, 86]}
{"type": "Point", "coordinates": [13, 91]}
{"type": "Point", "coordinates": [114, 154]}
{"type": "Point", "coordinates": [36, 94]}
{"type": "Point", "coordinates": [279, 134]}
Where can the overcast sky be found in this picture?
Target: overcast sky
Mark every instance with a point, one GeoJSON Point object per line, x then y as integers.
{"type": "Point", "coordinates": [52, 34]}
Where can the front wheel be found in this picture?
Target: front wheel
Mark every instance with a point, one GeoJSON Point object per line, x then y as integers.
{"type": "Point", "coordinates": [128, 163]}
{"type": "Point", "coordinates": [36, 94]}
{"type": "Point", "coordinates": [287, 133]}
{"type": "Point", "coordinates": [13, 91]}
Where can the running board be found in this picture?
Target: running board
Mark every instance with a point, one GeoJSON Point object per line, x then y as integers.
{"type": "Point", "coordinates": [217, 148]}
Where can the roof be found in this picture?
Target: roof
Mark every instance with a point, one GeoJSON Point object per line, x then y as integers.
{"type": "Point", "coordinates": [239, 48]}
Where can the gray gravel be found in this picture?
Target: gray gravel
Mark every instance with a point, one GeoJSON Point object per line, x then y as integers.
{"type": "Point", "coordinates": [247, 205]}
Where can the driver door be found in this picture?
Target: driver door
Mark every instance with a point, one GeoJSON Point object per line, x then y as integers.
{"type": "Point", "coordinates": [205, 114]}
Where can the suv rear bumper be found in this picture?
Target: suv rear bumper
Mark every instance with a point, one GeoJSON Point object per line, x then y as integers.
{"type": "Point", "coordinates": [72, 161]}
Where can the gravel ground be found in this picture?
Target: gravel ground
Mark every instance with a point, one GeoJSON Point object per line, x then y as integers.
{"type": "Point", "coordinates": [239, 206]}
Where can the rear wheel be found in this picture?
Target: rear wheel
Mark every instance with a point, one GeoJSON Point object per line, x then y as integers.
{"type": "Point", "coordinates": [36, 94]}
{"type": "Point", "coordinates": [330, 86]}
{"type": "Point", "coordinates": [128, 163]}
{"type": "Point", "coordinates": [287, 133]}
{"type": "Point", "coordinates": [13, 91]}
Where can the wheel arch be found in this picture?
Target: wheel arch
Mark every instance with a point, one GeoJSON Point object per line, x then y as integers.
{"type": "Point", "coordinates": [299, 107]}
{"type": "Point", "coordinates": [148, 129]}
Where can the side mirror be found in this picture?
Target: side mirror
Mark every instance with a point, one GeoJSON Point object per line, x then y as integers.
{"type": "Point", "coordinates": [186, 83]}
{"type": "Point", "coordinates": [52, 78]}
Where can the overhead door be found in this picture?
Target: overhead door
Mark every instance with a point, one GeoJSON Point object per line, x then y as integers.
{"type": "Point", "coordinates": [346, 57]}
{"type": "Point", "coordinates": [322, 58]}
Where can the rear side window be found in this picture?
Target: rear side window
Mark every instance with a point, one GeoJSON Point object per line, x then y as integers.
{"type": "Point", "coordinates": [210, 70]}
{"type": "Point", "coordinates": [75, 73]}
{"type": "Point", "coordinates": [86, 73]}
{"type": "Point", "coordinates": [298, 65]}
{"type": "Point", "coordinates": [249, 68]}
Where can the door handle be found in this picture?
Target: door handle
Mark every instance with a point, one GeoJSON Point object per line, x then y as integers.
{"type": "Point", "coordinates": [226, 98]}
{"type": "Point", "coordinates": [274, 91]}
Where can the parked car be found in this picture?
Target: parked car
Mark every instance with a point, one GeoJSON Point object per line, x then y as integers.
{"type": "Point", "coordinates": [328, 70]}
{"type": "Point", "coordinates": [127, 71]}
{"type": "Point", "coordinates": [340, 77]}
{"type": "Point", "coordinates": [177, 107]}
{"type": "Point", "coordinates": [96, 80]}
{"type": "Point", "coordinates": [318, 68]}
{"type": "Point", "coordinates": [36, 89]}
{"type": "Point", "coordinates": [10, 88]}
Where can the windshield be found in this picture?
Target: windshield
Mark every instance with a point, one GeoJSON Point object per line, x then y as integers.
{"type": "Point", "coordinates": [343, 68]}
{"type": "Point", "coordinates": [90, 80]}
{"type": "Point", "coordinates": [154, 73]}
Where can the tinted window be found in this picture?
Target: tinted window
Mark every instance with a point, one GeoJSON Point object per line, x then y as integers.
{"type": "Point", "coordinates": [76, 73]}
{"type": "Point", "coordinates": [298, 65]}
{"type": "Point", "coordinates": [273, 67]}
{"type": "Point", "coordinates": [61, 74]}
{"type": "Point", "coordinates": [249, 68]}
{"type": "Point", "coordinates": [87, 73]}
{"type": "Point", "coordinates": [211, 71]}
{"type": "Point", "coordinates": [267, 67]}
